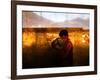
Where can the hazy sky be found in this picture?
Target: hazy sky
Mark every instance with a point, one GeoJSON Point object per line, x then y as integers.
{"type": "Point", "coordinates": [55, 19]}
{"type": "Point", "coordinates": [61, 17]}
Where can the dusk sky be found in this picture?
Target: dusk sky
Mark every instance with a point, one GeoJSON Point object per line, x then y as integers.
{"type": "Point", "coordinates": [55, 19]}
{"type": "Point", "coordinates": [61, 17]}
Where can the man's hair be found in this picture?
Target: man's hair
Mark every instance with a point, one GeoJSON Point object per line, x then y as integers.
{"type": "Point", "coordinates": [63, 33]}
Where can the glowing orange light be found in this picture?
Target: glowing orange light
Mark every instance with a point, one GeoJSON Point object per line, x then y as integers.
{"type": "Point", "coordinates": [28, 39]}
{"type": "Point", "coordinates": [85, 38]}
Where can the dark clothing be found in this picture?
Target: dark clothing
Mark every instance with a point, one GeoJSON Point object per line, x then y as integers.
{"type": "Point", "coordinates": [64, 55]}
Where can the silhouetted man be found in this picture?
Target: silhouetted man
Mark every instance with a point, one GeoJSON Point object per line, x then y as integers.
{"type": "Point", "coordinates": [64, 49]}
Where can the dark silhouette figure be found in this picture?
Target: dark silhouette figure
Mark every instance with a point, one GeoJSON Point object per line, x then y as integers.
{"type": "Point", "coordinates": [64, 49]}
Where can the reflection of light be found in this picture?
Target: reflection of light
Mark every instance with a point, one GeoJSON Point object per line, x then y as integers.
{"type": "Point", "coordinates": [28, 39]}
{"type": "Point", "coordinates": [39, 26]}
{"type": "Point", "coordinates": [83, 36]}
{"type": "Point", "coordinates": [51, 36]}
{"type": "Point", "coordinates": [83, 41]}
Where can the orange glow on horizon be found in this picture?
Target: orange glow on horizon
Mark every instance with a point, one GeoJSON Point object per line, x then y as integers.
{"type": "Point", "coordinates": [41, 39]}
{"type": "Point", "coordinates": [28, 39]}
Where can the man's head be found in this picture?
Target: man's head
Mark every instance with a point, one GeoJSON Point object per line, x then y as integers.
{"type": "Point", "coordinates": [63, 33]}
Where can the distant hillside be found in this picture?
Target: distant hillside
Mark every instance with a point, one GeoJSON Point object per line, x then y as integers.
{"type": "Point", "coordinates": [31, 19]}
{"type": "Point", "coordinates": [75, 23]}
